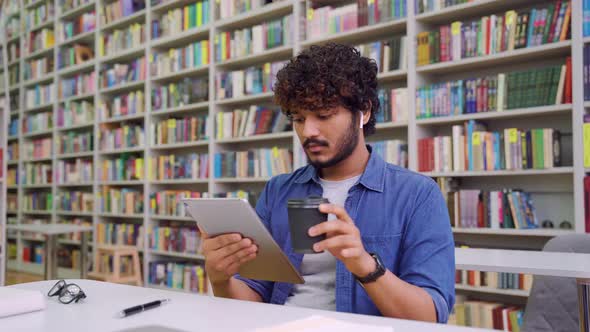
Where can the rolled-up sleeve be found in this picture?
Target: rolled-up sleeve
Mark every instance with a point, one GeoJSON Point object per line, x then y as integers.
{"type": "Point", "coordinates": [263, 288]}
{"type": "Point", "coordinates": [428, 259]}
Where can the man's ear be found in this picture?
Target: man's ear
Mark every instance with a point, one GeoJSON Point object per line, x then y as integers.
{"type": "Point", "coordinates": [366, 112]}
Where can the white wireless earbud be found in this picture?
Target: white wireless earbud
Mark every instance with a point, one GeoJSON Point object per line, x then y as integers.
{"type": "Point", "coordinates": [362, 120]}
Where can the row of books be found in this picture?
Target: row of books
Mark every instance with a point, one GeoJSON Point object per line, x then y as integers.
{"type": "Point", "coordinates": [586, 18]}
{"type": "Point", "coordinates": [497, 280]}
{"type": "Point", "coordinates": [12, 27]}
{"type": "Point", "coordinates": [122, 105]}
{"type": "Point", "coordinates": [75, 113]}
{"type": "Point", "coordinates": [13, 76]}
{"type": "Point", "coordinates": [256, 120]}
{"type": "Point", "coordinates": [118, 74]}
{"type": "Point", "coordinates": [80, 84]}
{"type": "Point", "coordinates": [392, 151]}
{"type": "Point", "coordinates": [250, 81]}
{"type": "Point", "coordinates": [37, 122]}
{"type": "Point", "coordinates": [177, 275]}
{"type": "Point", "coordinates": [389, 54]}
{"type": "Point", "coordinates": [174, 237]}
{"type": "Point", "coordinates": [508, 208]}
{"type": "Point", "coordinates": [168, 202]}
{"type": "Point", "coordinates": [39, 14]}
{"type": "Point", "coordinates": [192, 55]}
{"type": "Point", "coordinates": [39, 40]}
{"type": "Point", "coordinates": [74, 55]}
{"type": "Point", "coordinates": [68, 258]}
{"type": "Point", "coordinates": [472, 148]}
{"type": "Point", "coordinates": [106, 264]}
{"type": "Point", "coordinates": [12, 151]}
{"type": "Point", "coordinates": [489, 315]}
{"type": "Point", "coordinates": [254, 39]}
{"type": "Point", "coordinates": [11, 201]}
{"type": "Point", "coordinates": [74, 171]}
{"type": "Point", "coordinates": [118, 9]}
{"type": "Point", "coordinates": [180, 130]}
{"type": "Point", "coordinates": [122, 39]}
{"type": "Point", "coordinates": [67, 5]}
{"type": "Point", "coordinates": [187, 91]}
{"type": "Point", "coordinates": [13, 52]}
{"type": "Point", "coordinates": [75, 201]}
{"type": "Point", "coordinates": [81, 24]}
{"type": "Point", "coordinates": [586, 199]}
{"type": "Point", "coordinates": [495, 34]}
{"type": "Point", "coordinates": [86, 221]}
{"type": "Point", "coordinates": [13, 127]}
{"type": "Point", "coordinates": [12, 177]}
{"type": "Point", "coordinates": [393, 105]}
{"type": "Point", "coordinates": [38, 148]}
{"type": "Point", "coordinates": [120, 200]}
{"type": "Point", "coordinates": [33, 253]}
{"type": "Point", "coordinates": [124, 168]}
{"type": "Point", "coordinates": [181, 19]}
{"type": "Point", "coordinates": [75, 142]}
{"type": "Point", "coordinates": [37, 174]}
{"type": "Point", "coordinates": [425, 6]}
{"type": "Point", "coordinates": [264, 162]}
{"type": "Point", "coordinates": [497, 93]}
{"type": "Point", "coordinates": [330, 20]}
{"type": "Point", "coordinates": [175, 167]}
{"type": "Point", "coordinates": [586, 69]}
{"type": "Point", "coordinates": [37, 68]}
{"type": "Point", "coordinates": [39, 95]}
{"type": "Point", "coordinates": [38, 201]}
{"type": "Point", "coordinates": [125, 136]}
{"type": "Point", "coordinates": [230, 8]}
{"type": "Point", "coordinates": [120, 234]}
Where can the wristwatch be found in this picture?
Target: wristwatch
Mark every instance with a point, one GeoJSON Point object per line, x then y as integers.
{"type": "Point", "coordinates": [373, 276]}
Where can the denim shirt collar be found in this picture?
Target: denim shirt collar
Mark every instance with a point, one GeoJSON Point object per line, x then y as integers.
{"type": "Point", "coordinates": [372, 178]}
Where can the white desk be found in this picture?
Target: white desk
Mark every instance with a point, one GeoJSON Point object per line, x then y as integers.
{"type": "Point", "coordinates": [557, 264]}
{"type": "Point", "coordinates": [185, 312]}
{"type": "Point", "coordinates": [51, 231]}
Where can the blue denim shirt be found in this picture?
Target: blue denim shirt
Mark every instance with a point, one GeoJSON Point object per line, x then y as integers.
{"type": "Point", "coordinates": [401, 216]}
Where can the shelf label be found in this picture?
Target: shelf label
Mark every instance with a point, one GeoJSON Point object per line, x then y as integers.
{"type": "Point", "coordinates": [310, 14]}
{"type": "Point", "coordinates": [456, 28]}
{"type": "Point", "coordinates": [512, 135]}
{"type": "Point", "coordinates": [476, 138]}
{"type": "Point", "coordinates": [275, 152]}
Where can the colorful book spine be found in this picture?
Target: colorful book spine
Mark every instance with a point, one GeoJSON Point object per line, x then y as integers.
{"type": "Point", "coordinates": [119, 74]}
{"type": "Point", "coordinates": [256, 120]}
{"type": "Point", "coordinates": [81, 24]}
{"type": "Point", "coordinates": [180, 130]}
{"type": "Point", "coordinates": [39, 15]}
{"type": "Point", "coordinates": [39, 95]}
{"type": "Point", "coordinates": [393, 105]}
{"type": "Point", "coordinates": [74, 171]}
{"type": "Point", "coordinates": [175, 167]}
{"type": "Point", "coordinates": [76, 55]}
{"type": "Point", "coordinates": [122, 39]}
{"type": "Point", "coordinates": [80, 84]}
{"type": "Point", "coordinates": [124, 168]}
{"type": "Point", "coordinates": [120, 200]}
{"type": "Point", "coordinates": [75, 113]}
{"type": "Point", "coordinates": [120, 234]}
{"type": "Point", "coordinates": [122, 105]}
{"type": "Point", "coordinates": [168, 202]}
{"type": "Point", "coordinates": [40, 39]}
{"type": "Point", "coordinates": [119, 9]}
{"type": "Point", "coordinates": [184, 276]}
{"type": "Point", "coordinates": [12, 151]}
{"type": "Point", "coordinates": [37, 122]}
{"type": "Point", "coordinates": [173, 237]}
{"type": "Point", "coordinates": [38, 174]}
{"type": "Point", "coordinates": [389, 54]}
{"type": "Point", "coordinates": [124, 136]}
{"type": "Point", "coordinates": [193, 55]}
{"type": "Point", "coordinates": [38, 148]}
{"type": "Point", "coordinates": [75, 201]}
{"type": "Point", "coordinates": [392, 151]}
{"type": "Point", "coordinates": [38, 68]}
{"type": "Point", "coordinates": [75, 142]}
{"type": "Point", "coordinates": [253, 163]}
{"type": "Point", "coordinates": [251, 81]}
{"type": "Point", "coordinates": [177, 20]}
{"type": "Point", "coordinates": [176, 94]}
{"type": "Point", "coordinates": [38, 201]}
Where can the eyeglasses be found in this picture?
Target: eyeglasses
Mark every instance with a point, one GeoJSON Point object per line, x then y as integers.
{"type": "Point", "coordinates": [67, 293]}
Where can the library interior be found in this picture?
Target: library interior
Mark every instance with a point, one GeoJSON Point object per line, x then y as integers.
{"type": "Point", "coordinates": [353, 165]}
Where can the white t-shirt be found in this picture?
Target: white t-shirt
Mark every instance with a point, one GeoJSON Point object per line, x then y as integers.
{"type": "Point", "coordinates": [319, 270]}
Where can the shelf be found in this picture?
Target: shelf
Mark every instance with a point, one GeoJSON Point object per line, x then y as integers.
{"type": "Point", "coordinates": [75, 185]}
{"type": "Point", "coordinates": [78, 98]}
{"type": "Point", "coordinates": [519, 55]}
{"type": "Point", "coordinates": [37, 160]}
{"type": "Point", "coordinates": [39, 108]}
{"type": "Point", "coordinates": [124, 87]}
{"type": "Point", "coordinates": [38, 212]}
{"type": "Point", "coordinates": [550, 171]}
{"type": "Point", "coordinates": [121, 183]}
{"type": "Point", "coordinates": [121, 215]}
{"type": "Point", "coordinates": [123, 118]}
{"type": "Point", "coordinates": [180, 145]}
{"type": "Point", "coordinates": [72, 242]}
{"type": "Point", "coordinates": [39, 53]}
{"type": "Point", "coordinates": [74, 213]}
{"type": "Point", "coordinates": [359, 34]}
{"type": "Point", "coordinates": [587, 104]}
{"type": "Point", "coordinates": [37, 186]}
{"type": "Point", "coordinates": [170, 289]}
{"type": "Point", "coordinates": [182, 73]}
{"type": "Point", "coordinates": [506, 114]}
{"type": "Point", "coordinates": [180, 181]}
{"type": "Point", "coordinates": [122, 150]}
{"type": "Point", "coordinates": [190, 107]}
{"type": "Point", "coordinates": [395, 75]}
{"type": "Point", "coordinates": [79, 38]}
{"type": "Point", "coordinates": [242, 180]}
{"type": "Point", "coordinates": [12, 187]}
{"type": "Point", "coordinates": [170, 218]}
{"type": "Point", "coordinates": [81, 9]}
{"type": "Point", "coordinates": [177, 254]}
{"type": "Point", "coordinates": [33, 4]}
{"type": "Point", "coordinates": [32, 268]}
{"type": "Point", "coordinates": [46, 24]}
{"type": "Point", "coordinates": [169, 4]}
{"type": "Point", "coordinates": [74, 127]}
{"type": "Point", "coordinates": [11, 211]}
{"type": "Point", "coordinates": [38, 133]}
{"type": "Point", "coordinates": [254, 138]}
{"type": "Point", "coordinates": [125, 21]}
{"type": "Point", "coordinates": [489, 290]}
{"type": "Point", "coordinates": [390, 125]}
{"type": "Point", "coordinates": [261, 97]}
{"type": "Point", "coordinates": [471, 9]}
{"type": "Point", "coordinates": [282, 52]}
{"type": "Point", "coordinates": [12, 138]}
{"type": "Point", "coordinates": [255, 16]}
{"type": "Point", "coordinates": [12, 163]}
{"type": "Point", "coordinates": [42, 79]}
{"type": "Point", "coordinates": [182, 38]}
{"type": "Point", "coordinates": [129, 54]}
{"type": "Point", "coordinates": [85, 66]}
{"type": "Point", "coordinates": [539, 232]}
{"type": "Point", "coordinates": [13, 39]}
{"type": "Point", "coordinates": [75, 155]}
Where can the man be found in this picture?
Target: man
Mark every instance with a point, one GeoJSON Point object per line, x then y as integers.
{"type": "Point", "coordinates": [389, 249]}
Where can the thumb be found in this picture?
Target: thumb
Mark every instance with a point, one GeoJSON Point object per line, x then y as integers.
{"type": "Point", "coordinates": [204, 234]}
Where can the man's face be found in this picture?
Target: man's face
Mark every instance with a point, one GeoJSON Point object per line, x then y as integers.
{"type": "Point", "coordinates": [328, 136]}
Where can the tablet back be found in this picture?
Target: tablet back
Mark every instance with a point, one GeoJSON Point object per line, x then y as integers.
{"type": "Point", "coordinates": [218, 216]}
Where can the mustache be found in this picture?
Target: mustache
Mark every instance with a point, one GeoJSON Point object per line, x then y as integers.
{"type": "Point", "coordinates": [310, 141]}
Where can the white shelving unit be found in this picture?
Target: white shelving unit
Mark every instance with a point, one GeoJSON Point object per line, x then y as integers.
{"type": "Point", "coordinates": [4, 119]}
{"type": "Point", "coordinates": [560, 192]}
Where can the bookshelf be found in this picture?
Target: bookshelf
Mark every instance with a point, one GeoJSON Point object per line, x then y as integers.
{"type": "Point", "coordinates": [4, 119]}
{"type": "Point", "coordinates": [560, 184]}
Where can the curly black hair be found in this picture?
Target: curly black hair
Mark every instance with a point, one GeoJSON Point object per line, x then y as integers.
{"type": "Point", "coordinates": [327, 76]}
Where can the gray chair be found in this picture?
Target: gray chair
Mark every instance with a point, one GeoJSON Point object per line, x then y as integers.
{"type": "Point", "coordinates": [553, 302]}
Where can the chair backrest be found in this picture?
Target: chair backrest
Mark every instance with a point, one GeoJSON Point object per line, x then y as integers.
{"type": "Point", "coordinates": [553, 302]}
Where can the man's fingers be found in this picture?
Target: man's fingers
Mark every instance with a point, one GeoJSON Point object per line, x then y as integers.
{"type": "Point", "coordinates": [329, 227]}
{"type": "Point", "coordinates": [235, 247]}
{"type": "Point", "coordinates": [220, 241]}
{"type": "Point", "coordinates": [340, 241]}
{"type": "Point", "coordinates": [336, 210]}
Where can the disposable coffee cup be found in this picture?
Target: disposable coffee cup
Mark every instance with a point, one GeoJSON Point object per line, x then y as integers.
{"type": "Point", "coordinates": [304, 214]}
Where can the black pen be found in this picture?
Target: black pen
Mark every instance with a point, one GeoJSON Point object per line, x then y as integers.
{"type": "Point", "coordinates": [142, 307]}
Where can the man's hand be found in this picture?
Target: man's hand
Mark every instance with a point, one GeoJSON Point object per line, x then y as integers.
{"type": "Point", "coordinates": [224, 254]}
{"type": "Point", "coordinates": [343, 240]}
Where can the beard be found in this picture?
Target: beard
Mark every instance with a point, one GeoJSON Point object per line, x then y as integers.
{"type": "Point", "coordinates": [344, 148]}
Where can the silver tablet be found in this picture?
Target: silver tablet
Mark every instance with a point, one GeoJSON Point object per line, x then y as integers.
{"type": "Point", "coordinates": [218, 216]}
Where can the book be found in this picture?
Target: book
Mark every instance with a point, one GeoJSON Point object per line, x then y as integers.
{"type": "Point", "coordinates": [250, 81]}
{"type": "Point", "coordinates": [192, 55]}
{"type": "Point", "coordinates": [75, 201]}
{"type": "Point", "coordinates": [177, 20]}
{"type": "Point", "coordinates": [74, 171]}
{"type": "Point", "coordinates": [264, 162]}
{"type": "Point", "coordinates": [80, 84]}
{"type": "Point", "coordinates": [116, 200]}
{"type": "Point", "coordinates": [175, 167]}
{"type": "Point", "coordinates": [179, 130]}
{"type": "Point", "coordinates": [184, 92]}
